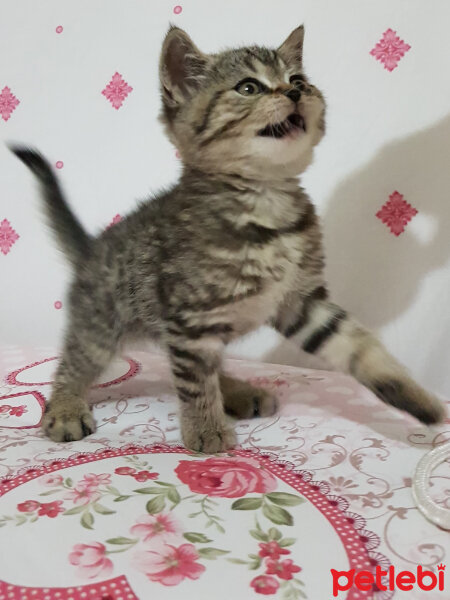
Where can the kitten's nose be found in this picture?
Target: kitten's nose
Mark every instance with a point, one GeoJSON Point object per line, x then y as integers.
{"type": "Point", "coordinates": [293, 94]}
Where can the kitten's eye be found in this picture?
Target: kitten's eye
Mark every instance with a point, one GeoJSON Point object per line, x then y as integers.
{"type": "Point", "coordinates": [297, 81]}
{"type": "Point", "coordinates": [249, 87]}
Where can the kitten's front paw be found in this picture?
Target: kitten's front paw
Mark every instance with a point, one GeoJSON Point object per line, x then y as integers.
{"type": "Point", "coordinates": [209, 440]}
{"type": "Point", "coordinates": [67, 422]}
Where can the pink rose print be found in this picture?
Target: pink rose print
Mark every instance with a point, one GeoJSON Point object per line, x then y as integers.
{"type": "Point", "coordinates": [170, 565]}
{"type": "Point", "coordinates": [51, 509]}
{"type": "Point", "coordinates": [18, 411]}
{"type": "Point", "coordinates": [283, 569]}
{"type": "Point", "coordinates": [145, 476]}
{"type": "Point", "coordinates": [177, 9]}
{"type": "Point", "coordinates": [5, 408]}
{"type": "Point", "coordinates": [59, 29]}
{"type": "Point", "coordinates": [92, 480]}
{"type": "Point", "coordinates": [117, 90]}
{"type": "Point", "coordinates": [91, 560]}
{"type": "Point", "coordinates": [83, 495]}
{"type": "Point", "coordinates": [225, 477]}
{"type": "Point", "coordinates": [57, 304]}
{"type": "Point", "coordinates": [51, 480]}
{"type": "Point", "coordinates": [124, 471]}
{"type": "Point", "coordinates": [150, 527]}
{"type": "Point", "coordinates": [28, 506]}
{"type": "Point", "coordinates": [59, 164]}
{"type": "Point", "coordinates": [263, 584]}
{"type": "Point", "coordinates": [272, 549]}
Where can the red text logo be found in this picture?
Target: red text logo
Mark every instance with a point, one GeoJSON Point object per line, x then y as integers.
{"type": "Point", "coordinates": [388, 580]}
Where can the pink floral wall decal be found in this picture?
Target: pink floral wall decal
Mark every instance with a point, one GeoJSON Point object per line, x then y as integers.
{"type": "Point", "coordinates": [396, 213]}
{"type": "Point", "coordinates": [8, 236]}
{"type": "Point", "coordinates": [390, 49]}
{"type": "Point", "coordinates": [8, 103]}
{"type": "Point", "coordinates": [117, 90]}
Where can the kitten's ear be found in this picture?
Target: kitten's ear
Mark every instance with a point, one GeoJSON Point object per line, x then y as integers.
{"type": "Point", "coordinates": [291, 50]}
{"type": "Point", "coordinates": [181, 66]}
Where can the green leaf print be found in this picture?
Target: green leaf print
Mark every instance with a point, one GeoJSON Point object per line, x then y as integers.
{"type": "Point", "coordinates": [173, 495]}
{"type": "Point", "coordinates": [277, 515]}
{"type": "Point", "coordinates": [50, 492]}
{"type": "Point", "coordinates": [258, 535]}
{"type": "Point", "coordinates": [275, 534]}
{"type": "Point", "coordinates": [149, 490]}
{"type": "Point", "coordinates": [284, 499]}
{"type": "Point", "coordinates": [102, 510]}
{"type": "Point", "coordinates": [155, 505]}
{"type": "Point", "coordinates": [247, 504]}
{"type": "Point", "coordinates": [120, 540]}
{"type": "Point", "coordinates": [87, 520]}
{"type": "Point", "coordinates": [286, 542]}
{"type": "Point", "coordinates": [194, 537]}
{"type": "Point", "coordinates": [211, 553]}
{"type": "Point", "coordinates": [74, 511]}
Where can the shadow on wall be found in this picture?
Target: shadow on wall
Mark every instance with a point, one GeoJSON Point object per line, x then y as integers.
{"type": "Point", "coordinates": [370, 271]}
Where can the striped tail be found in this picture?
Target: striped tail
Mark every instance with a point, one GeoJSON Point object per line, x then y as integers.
{"type": "Point", "coordinates": [71, 236]}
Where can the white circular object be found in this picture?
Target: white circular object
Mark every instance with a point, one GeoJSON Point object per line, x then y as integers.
{"type": "Point", "coordinates": [433, 512]}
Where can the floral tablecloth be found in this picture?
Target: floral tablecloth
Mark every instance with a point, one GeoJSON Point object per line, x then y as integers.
{"type": "Point", "coordinates": [129, 513]}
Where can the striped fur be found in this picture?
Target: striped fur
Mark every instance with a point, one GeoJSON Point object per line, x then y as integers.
{"type": "Point", "coordinates": [233, 245]}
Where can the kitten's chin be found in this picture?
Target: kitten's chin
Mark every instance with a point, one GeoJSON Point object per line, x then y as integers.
{"type": "Point", "coordinates": [288, 156]}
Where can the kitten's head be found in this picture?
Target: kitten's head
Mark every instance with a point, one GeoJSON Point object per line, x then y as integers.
{"type": "Point", "coordinates": [249, 111]}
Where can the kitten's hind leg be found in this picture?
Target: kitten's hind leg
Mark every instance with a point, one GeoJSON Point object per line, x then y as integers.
{"type": "Point", "coordinates": [195, 368]}
{"type": "Point", "coordinates": [68, 416]}
{"type": "Point", "coordinates": [244, 401]}
{"type": "Point", "coordinates": [323, 328]}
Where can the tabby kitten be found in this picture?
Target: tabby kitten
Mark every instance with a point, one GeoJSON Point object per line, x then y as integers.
{"type": "Point", "coordinates": [233, 245]}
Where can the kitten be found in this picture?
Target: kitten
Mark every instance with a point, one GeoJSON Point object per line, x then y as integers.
{"type": "Point", "coordinates": [235, 244]}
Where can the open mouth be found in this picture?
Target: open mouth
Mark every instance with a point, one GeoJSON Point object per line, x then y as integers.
{"type": "Point", "coordinates": [293, 123]}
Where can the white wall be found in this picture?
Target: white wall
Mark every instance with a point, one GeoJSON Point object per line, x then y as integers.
{"type": "Point", "coordinates": [387, 130]}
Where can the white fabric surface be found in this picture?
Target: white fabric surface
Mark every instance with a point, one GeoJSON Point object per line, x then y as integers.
{"type": "Point", "coordinates": [355, 457]}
